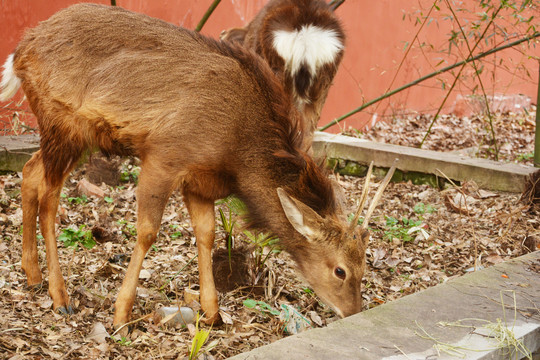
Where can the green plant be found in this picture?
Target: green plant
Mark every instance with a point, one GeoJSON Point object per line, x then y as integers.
{"type": "Point", "coordinates": [396, 229]}
{"type": "Point", "coordinates": [83, 199]}
{"type": "Point", "coordinates": [261, 241]}
{"type": "Point", "coordinates": [525, 156]}
{"type": "Point", "coordinates": [130, 173]}
{"type": "Point", "coordinates": [123, 341]}
{"type": "Point", "coordinates": [263, 307]}
{"type": "Point", "coordinates": [421, 209]}
{"type": "Point", "coordinates": [200, 338]}
{"type": "Point", "coordinates": [128, 228]}
{"type": "Point", "coordinates": [73, 237]}
{"type": "Point", "coordinates": [308, 291]}
{"type": "Point", "coordinates": [108, 199]}
{"type": "Point", "coordinates": [228, 227]}
{"type": "Point", "coordinates": [175, 234]}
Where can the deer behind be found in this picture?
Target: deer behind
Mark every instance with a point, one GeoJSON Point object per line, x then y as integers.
{"type": "Point", "coordinates": [205, 117]}
{"type": "Point", "coordinates": [303, 42]}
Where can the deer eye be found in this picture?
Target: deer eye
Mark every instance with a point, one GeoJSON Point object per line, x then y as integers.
{"type": "Point", "coordinates": [340, 273]}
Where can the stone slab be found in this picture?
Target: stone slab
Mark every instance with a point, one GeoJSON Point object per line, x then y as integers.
{"type": "Point", "coordinates": [490, 175]}
{"type": "Point", "coordinates": [15, 151]}
{"type": "Point", "coordinates": [399, 330]}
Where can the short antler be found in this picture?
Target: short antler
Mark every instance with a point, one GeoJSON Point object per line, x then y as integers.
{"type": "Point", "coordinates": [363, 198]}
{"type": "Point", "coordinates": [378, 195]}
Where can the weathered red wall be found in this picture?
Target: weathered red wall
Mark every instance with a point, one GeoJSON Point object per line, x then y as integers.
{"type": "Point", "coordinates": [377, 33]}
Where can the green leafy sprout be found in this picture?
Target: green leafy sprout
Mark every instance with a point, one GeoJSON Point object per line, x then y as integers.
{"type": "Point", "coordinates": [75, 237]}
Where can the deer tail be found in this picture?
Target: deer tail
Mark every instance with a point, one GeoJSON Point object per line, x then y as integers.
{"type": "Point", "coordinates": [10, 82]}
{"type": "Point", "coordinates": [305, 50]}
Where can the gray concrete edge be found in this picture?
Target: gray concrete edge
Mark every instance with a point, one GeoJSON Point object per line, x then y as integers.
{"type": "Point", "coordinates": [395, 330]}
{"type": "Point", "coordinates": [491, 175]}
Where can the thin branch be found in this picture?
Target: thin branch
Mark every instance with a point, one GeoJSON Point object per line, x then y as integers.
{"type": "Point", "coordinates": [415, 38]}
{"type": "Point", "coordinates": [480, 38]}
{"type": "Point", "coordinates": [207, 15]}
{"type": "Point", "coordinates": [473, 63]}
{"type": "Point", "coordinates": [429, 76]}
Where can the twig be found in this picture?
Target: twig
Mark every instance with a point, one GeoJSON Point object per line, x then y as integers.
{"type": "Point", "coordinates": [178, 272]}
{"type": "Point", "coordinates": [471, 59]}
{"type": "Point", "coordinates": [401, 351]}
{"type": "Point", "coordinates": [433, 6]}
{"type": "Point", "coordinates": [473, 63]}
{"type": "Point", "coordinates": [12, 329]}
{"type": "Point", "coordinates": [131, 323]}
{"type": "Point", "coordinates": [15, 152]}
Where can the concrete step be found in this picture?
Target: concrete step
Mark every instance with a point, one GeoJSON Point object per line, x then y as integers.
{"type": "Point", "coordinates": [408, 328]}
{"type": "Point", "coordinates": [490, 175]}
{"type": "Point", "coordinates": [414, 164]}
{"type": "Point", "coordinates": [15, 151]}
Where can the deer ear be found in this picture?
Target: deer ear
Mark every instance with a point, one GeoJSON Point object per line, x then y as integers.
{"type": "Point", "coordinates": [234, 35]}
{"type": "Point", "coordinates": [303, 218]}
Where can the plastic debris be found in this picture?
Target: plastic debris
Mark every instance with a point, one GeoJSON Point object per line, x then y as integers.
{"type": "Point", "coordinates": [293, 321]}
{"type": "Point", "coordinates": [174, 316]}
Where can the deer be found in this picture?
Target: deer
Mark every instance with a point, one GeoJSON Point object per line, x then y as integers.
{"type": "Point", "coordinates": [204, 117]}
{"type": "Point", "coordinates": [303, 42]}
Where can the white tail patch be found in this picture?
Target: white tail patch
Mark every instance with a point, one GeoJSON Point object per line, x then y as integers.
{"type": "Point", "coordinates": [10, 82]}
{"type": "Point", "coordinates": [311, 45]}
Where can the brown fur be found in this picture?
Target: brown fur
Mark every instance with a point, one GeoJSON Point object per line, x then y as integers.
{"type": "Point", "coordinates": [206, 117]}
{"type": "Point", "coordinates": [292, 15]}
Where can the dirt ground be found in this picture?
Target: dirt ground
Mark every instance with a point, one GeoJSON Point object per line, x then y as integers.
{"type": "Point", "coordinates": [420, 237]}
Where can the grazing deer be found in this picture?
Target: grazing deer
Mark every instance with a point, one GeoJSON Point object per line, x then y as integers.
{"type": "Point", "coordinates": [303, 42]}
{"type": "Point", "coordinates": [206, 117]}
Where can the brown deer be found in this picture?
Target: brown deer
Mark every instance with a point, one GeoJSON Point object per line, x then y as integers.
{"type": "Point", "coordinates": [303, 42]}
{"type": "Point", "coordinates": [206, 117]}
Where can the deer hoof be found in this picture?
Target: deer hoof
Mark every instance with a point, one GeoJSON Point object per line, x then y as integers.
{"type": "Point", "coordinates": [65, 310]}
{"type": "Point", "coordinates": [214, 320]}
{"type": "Point", "coordinates": [121, 332]}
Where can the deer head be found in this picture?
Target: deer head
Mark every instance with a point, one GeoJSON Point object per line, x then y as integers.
{"type": "Point", "coordinates": [331, 256]}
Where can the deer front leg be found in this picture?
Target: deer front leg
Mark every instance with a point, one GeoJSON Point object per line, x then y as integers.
{"type": "Point", "coordinates": [202, 216]}
{"type": "Point", "coordinates": [153, 192]}
{"type": "Point", "coordinates": [48, 195]}
{"type": "Point", "coordinates": [32, 178]}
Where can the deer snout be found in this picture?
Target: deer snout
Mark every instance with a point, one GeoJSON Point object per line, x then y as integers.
{"type": "Point", "coordinates": [349, 306]}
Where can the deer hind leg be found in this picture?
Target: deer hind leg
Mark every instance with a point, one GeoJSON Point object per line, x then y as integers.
{"type": "Point", "coordinates": [202, 216]}
{"type": "Point", "coordinates": [153, 191]}
{"type": "Point", "coordinates": [40, 195]}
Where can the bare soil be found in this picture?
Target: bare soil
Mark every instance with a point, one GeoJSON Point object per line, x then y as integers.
{"type": "Point", "coordinates": [420, 237]}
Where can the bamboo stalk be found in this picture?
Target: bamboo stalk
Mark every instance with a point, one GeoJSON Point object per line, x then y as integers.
{"type": "Point", "coordinates": [537, 133]}
{"type": "Point", "coordinates": [207, 14]}
{"type": "Point", "coordinates": [334, 4]}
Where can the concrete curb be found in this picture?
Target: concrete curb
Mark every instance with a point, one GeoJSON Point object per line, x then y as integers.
{"type": "Point", "coordinates": [395, 330]}
{"type": "Point", "coordinates": [15, 151]}
{"type": "Point", "coordinates": [491, 175]}
{"type": "Point", "coordinates": [425, 164]}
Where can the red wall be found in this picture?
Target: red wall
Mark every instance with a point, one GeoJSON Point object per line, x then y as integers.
{"type": "Point", "coordinates": [377, 33]}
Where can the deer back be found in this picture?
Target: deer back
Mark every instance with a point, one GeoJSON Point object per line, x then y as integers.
{"type": "Point", "coordinates": [105, 79]}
